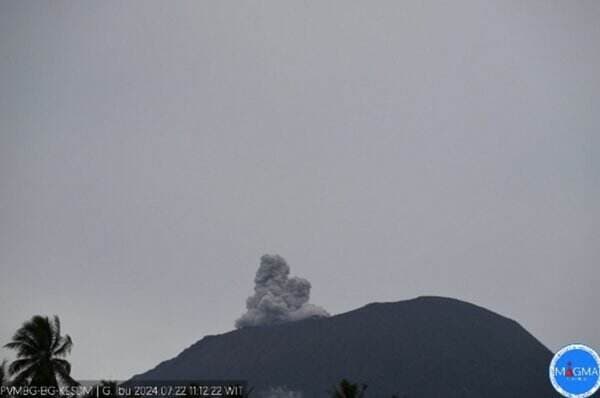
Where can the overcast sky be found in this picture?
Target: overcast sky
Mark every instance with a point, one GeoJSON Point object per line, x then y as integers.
{"type": "Point", "coordinates": [151, 152]}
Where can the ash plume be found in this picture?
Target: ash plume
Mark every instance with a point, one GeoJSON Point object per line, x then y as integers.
{"type": "Point", "coordinates": [277, 297]}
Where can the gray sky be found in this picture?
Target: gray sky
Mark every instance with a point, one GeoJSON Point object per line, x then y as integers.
{"type": "Point", "coordinates": [150, 153]}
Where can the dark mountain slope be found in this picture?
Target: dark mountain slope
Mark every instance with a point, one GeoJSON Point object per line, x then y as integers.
{"type": "Point", "coordinates": [426, 347]}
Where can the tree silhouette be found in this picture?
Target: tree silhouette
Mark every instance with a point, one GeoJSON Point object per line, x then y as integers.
{"type": "Point", "coordinates": [348, 390]}
{"type": "Point", "coordinates": [41, 350]}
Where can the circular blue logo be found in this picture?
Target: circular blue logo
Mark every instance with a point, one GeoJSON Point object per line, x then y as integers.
{"type": "Point", "coordinates": [574, 371]}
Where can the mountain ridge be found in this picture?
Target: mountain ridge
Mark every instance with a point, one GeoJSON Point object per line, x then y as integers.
{"type": "Point", "coordinates": [426, 346]}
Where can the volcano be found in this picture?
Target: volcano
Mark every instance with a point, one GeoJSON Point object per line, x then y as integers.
{"type": "Point", "coordinates": [426, 347]}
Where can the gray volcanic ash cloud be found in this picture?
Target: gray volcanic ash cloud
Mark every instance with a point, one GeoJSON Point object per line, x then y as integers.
{"type": "Point", "coordinates": [277, 297]}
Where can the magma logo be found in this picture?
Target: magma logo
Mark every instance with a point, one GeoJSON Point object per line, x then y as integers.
{"type": "Point", "coordinates": [575, 371]}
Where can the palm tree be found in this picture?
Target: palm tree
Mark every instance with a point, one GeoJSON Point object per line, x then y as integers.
{"type": "Point", "coordinates": [348, 390]}
{"type": "Point", "coordinates": [40, 351]}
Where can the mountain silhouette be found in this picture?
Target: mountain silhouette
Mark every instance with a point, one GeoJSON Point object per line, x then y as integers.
{"type": "Point", "coordinates": [426, 347]}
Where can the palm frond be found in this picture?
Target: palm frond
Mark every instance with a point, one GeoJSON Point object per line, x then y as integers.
{"type": "Point", "coordinates": [22, 349]}
{"type": "Point", "coordinates": [25, 336]}
{"type": "Point", "coordinates": [64, 346]}
{"type": "Point", "coordinates": [61, 366]}
{"type": "Point", "coordinates": [68, 380]}
{"type": "Point", "coordinates": [40, 327]}
{"type": "Point", "coordinates": [24, 376]}
{"type": "Point", "coordinates": [55, 326]}
{"type": "Point", "coordinates": [17, 366]}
